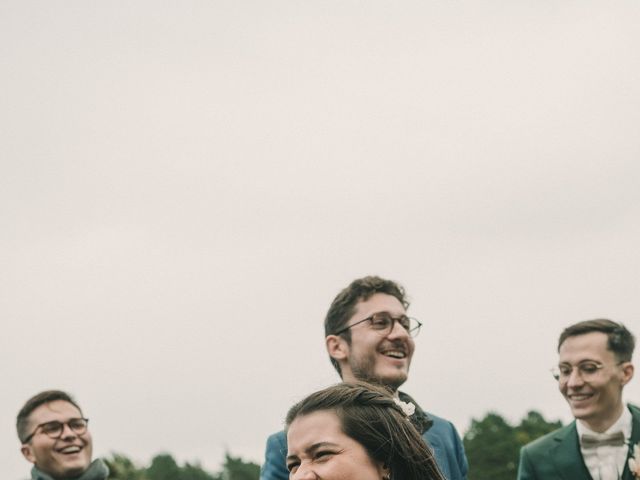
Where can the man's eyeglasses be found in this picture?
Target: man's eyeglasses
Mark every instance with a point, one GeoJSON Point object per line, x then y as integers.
{"type": "Point", "coordinates": [383, 323]}
{"type": "Point", "coordinates": [587, 370]}
{"type": "Point", "coordinates": [54, 429]}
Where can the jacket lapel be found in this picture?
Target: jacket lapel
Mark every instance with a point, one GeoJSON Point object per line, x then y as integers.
{"type": "Point", "coordinates": [635, 438]}
{"type": "Point", "coordinates": [566, 455]}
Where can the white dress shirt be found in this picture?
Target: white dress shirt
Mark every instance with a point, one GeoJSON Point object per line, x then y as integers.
{"type": "Point", "coordinates": [598, 458]}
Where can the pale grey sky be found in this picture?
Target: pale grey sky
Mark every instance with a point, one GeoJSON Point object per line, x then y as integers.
{"type": "Point", "coordinates": [185, 186]}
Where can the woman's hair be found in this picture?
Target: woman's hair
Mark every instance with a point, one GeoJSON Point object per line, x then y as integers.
{"type": "Point", "coordinates": [370, 415]}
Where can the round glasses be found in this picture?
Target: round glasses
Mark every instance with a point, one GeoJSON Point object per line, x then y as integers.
{"type": "Point", "coordinates": [383, 323]}
{"type": "Point", "coordinates": [54, 429]}
{"type": "Point", "coordinates": [587, 370]}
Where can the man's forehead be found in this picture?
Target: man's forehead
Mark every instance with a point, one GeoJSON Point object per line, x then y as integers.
{"type": "Point", "coordinates": [54, 410]}
{"type": "Point", "coordinates": [592, 344]}
{"type": "Point", "coordinates": [379, 302]}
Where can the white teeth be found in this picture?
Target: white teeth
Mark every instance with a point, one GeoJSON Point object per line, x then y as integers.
{"type": "Point", "coordinates": [579, 397]}
{"type": "Point", "coordinates": [72, 449]}
{"type": "Point", "coordinates": [395, 354]}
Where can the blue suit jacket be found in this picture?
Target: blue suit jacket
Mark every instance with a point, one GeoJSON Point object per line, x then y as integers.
{"type": "Point", "coordinates": [442, 437]}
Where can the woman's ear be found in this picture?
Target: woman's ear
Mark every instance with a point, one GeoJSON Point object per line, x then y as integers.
{"type": "Point", "coordinates": [385, 471]}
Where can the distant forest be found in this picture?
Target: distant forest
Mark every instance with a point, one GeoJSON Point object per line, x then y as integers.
{"type": "Point", "coordinates": [491, 443]}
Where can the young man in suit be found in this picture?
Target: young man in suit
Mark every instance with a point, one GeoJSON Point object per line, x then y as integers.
{"type": "Point", "coordinates": [55, 437]}
{"type": "Point", "coordinates": [369, 337]}
{"type": "Point", "coordinates": [594, 366]}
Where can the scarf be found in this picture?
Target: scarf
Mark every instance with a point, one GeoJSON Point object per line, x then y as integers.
{"type": "Point", "coordinates": [98, 470]}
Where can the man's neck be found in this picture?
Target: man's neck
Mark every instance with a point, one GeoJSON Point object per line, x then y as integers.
{"type": "Point", "coordinates": [350, 378]}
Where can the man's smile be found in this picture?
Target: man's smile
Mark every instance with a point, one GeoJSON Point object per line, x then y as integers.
{"type": "Point", "coordinates": [394, 353]}
{"type": "Point", "coordinates": [70, 449]}
{"type": "Point", "coordinates": [578, 398]}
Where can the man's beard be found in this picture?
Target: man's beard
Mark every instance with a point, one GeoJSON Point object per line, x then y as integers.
{"type": "Point", "coordinates": [364, 369]}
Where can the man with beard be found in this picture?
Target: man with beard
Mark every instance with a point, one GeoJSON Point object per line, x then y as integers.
{"type": "Point", "coordinates": [55, 437]}
{"type": "Point", "coordinates": [369, 337]}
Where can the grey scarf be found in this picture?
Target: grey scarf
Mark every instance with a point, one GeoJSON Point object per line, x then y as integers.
{"type": "Point", "coordinates": [97, 471]}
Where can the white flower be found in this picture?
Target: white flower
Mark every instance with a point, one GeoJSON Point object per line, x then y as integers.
{"type": "Point", "coordinates": [634, 461]}
{"type": "Point", "coordinates": [408, 408]}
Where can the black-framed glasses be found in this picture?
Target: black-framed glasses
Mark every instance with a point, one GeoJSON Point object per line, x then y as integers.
{"type": "Point", "coordinates": [383, 323]}
{"type": "Point", "coordinates": [55, 428]}
{"type": "Point", "coordinates": [587, 370]}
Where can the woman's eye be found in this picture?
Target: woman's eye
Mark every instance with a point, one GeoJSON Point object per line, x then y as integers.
{"type": "Point", "coordinates": [324, 454]}
{"type": "Point", "coordinates": [292, 467]}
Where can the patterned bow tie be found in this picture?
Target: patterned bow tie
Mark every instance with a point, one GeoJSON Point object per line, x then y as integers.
{"type": "Point", "coordinates": [594, 441]}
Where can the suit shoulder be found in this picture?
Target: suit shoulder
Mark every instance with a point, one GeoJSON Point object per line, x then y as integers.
{"type": "Point", "coordinates": [441, 424]}
{"type": "Point", "coordinates": [274, 466]}
{"type": "Point", "coordinates": [542, 444]}
{"type": "Point", "coordinates": [278, 436]}
{"type": "Point", "coordinates": [277, 440]}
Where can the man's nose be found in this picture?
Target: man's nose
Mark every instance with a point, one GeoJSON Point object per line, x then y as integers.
{"type": "Point", "coordinates": [574, 379]}
{"type": "Point", "coordinates": [398, 331]}
{"type": "Point", "coordinates": [67, 431]}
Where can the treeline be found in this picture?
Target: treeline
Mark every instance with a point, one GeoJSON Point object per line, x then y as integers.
{"type": "Point", "coordinates": [165, 467]}
{"type": "Point", "coordinates": [491, 443]}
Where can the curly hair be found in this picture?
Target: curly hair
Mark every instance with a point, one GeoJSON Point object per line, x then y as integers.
{"type": "Point", "coordinates": [370, 415]}
{"type": "Point", "coordinates": [344, 305]}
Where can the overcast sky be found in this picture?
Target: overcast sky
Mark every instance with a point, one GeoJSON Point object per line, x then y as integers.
{"type": "Point", "coordinates": [185, 187]}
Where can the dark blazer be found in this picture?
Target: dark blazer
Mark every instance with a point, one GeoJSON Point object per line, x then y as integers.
{"type": "Point", "coordinates": [557, 456]}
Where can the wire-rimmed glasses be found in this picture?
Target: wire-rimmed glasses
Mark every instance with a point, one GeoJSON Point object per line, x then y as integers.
{"type": "Point", "coordinates": [383, 323]}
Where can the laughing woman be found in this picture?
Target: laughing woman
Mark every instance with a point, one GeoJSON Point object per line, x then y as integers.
{"type": "Point", "coordinates": [356, 431]}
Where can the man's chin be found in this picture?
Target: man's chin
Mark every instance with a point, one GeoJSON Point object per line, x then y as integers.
{"type": "Point", "coordinates": [393, 381]}
{"type": "Point", "coordinates": [74, 469]}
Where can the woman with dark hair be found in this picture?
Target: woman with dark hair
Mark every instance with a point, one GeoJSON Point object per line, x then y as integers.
{"type": "Point", "coordinates": [356, 431]}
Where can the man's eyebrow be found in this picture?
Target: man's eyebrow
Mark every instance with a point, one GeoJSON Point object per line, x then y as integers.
{"type": "Point", "coordinates": [584, 360]}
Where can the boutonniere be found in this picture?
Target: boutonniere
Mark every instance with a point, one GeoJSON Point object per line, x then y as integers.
{"type": "Point", "coordinates": [407, 408]}
{"type": "Point", "coordinates": [634, 461]}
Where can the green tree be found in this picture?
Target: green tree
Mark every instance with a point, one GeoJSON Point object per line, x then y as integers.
{"type": "Point", "coordinates": [122, 468]}
{"type": "Point", "coordinates": [491, 449]}
{"type": "Point", "coordinates": [235, 468]}
{"type": "Point", "coordinates": [534, 426]}
{"type": "Point", "coordinates": [493, 445]}
{"type": "Point", "coordinates": [195, 472]}
{"type": "Point", "coordinates": [163, 467]}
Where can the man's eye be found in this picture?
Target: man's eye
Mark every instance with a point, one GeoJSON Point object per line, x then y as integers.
{"type": "Point", "coordinates": [292, 467]}
{"type": "Point", "coordinates": [380, 321]}
{"type": "Point", "coordinates": [51, 427]}
{"type": "Point", "coordinates": [404, 322]}
{"type": "Point", "coordinates": [589, 368]}
{"type": "Point", "coordinates": [564, 370]}
{"type": "Point", "coordinates": [76, 423]}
